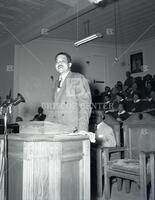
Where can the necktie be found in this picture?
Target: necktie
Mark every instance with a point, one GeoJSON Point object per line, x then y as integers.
{"type": "Point", "coordinates": [59, 83]}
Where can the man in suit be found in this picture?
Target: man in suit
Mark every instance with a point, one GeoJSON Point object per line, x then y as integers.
{"type": "Point", "coordinates": [71, 96]}
{"type": "Point", "coordinates": [40, 116]}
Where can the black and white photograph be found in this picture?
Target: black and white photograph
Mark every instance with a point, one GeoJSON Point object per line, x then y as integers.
{"type": "Point", "coordinates": [77, 100]}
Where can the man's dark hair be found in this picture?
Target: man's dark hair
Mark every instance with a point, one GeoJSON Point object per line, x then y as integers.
{"type": "Point", "coordinates": [65, 54]}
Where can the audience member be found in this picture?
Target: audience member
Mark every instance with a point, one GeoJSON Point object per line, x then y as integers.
{"type": "Point", "coordinates": [129, 81]}
{"type": "Point", "coordinates": [120, 98]}
{"type": "Point", "coordinates": [137, 103]}
{"type": "Point", "coordinates": [119, 86]}
{"type": "Point", "coordinates": [147, 89]}
{"type": "Point", "coordinates": [107, 105]}
{"type": "Point", "coordinates": [104, 133]}
{"type": "Point", "coordinates": [107, 91]}
{"type": "Point", "coordinates": [130, 91]}
{"type": "Point", "coordinates": [147, 78]}
{"type": "Point", "coordinates": [40, 116]}
{"type": "Point", "coordinates": [153, 83]}
{"type": "Point", "coordinates": [151, 101]}
{"type": "Point", "coordinates": [122, 113]}
{"type": "Point", "coordinates": [96, 96]}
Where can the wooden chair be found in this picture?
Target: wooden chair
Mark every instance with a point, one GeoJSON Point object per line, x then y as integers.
{"type": "Point", "coordinates": [139, 140]}
{"type": "Point", "coordinates": [100, 149]}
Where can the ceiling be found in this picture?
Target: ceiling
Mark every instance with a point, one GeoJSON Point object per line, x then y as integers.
{"type": "Point", "coordinates": [120, 21]}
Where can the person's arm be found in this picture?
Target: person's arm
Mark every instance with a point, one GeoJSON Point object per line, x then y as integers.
{"type": "Point", "coordinates": [84, 102]}
{"type": "Point", "coordinates": [35, 118]}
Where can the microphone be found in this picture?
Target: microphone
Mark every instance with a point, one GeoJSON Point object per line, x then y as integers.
{"type": "Point", "coordinates": [18, 100]}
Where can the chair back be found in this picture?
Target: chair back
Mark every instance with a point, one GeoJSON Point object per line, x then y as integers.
{"type": "Point", "coordinates": [139, 133]}
{"type": "Point", "coordinates": [115, 125]}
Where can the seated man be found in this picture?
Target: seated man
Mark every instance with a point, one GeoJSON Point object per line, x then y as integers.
{"type": "Point", "coordinates": [40, 116]}
{"type": "Point", "coordinates": [104, 133]}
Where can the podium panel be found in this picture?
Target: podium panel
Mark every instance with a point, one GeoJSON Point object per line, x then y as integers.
{"type": "Point", "coordinates": [48, 167]}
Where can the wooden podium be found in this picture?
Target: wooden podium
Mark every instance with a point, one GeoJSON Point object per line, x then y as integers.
{"type": "Point", "coordinates": [48, 166]}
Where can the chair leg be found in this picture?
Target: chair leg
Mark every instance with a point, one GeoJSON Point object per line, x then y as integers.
{"type": "Point", "coordinates": [152, 166]}
{"type": "Point", "coordinates": [107, 188]}
{"type": "Point", "coordinates": [119, 184]}
{"type": "Point", "coordinates": [99, 173]}
{"type": "Point", "coordinates": [143, 175]}
{"type": "Point", "coordinates": [127, 186]}
{"type": "Point", "coordinates": [106, 177]}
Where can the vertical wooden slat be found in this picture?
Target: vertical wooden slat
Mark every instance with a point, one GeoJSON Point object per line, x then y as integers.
{"type": "Point", "coordinates": [99, 172]}
{"type": "Point", "coordinates": [106, 177]}
{"type": "Point", "coordinates": [28, 171]}
{"type": "Point", "coordinates": [55, 171]}
{"type": "Point", "coordinates": [152, 166]}
{"type": "Point", "coordinates": [2, 169]}
{"type": "Point", "coordinates": [85, 172]}
{"type": "Point", "coordinates": [143, 178]}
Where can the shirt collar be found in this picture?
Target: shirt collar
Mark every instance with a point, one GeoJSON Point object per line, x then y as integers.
{"type": "Point", "coordinates": [63, 76]}
{"type": "Point", "coordinates": [122, 112]}
{"type": "Point", "coordinates": [136, 101]}
{"type": "Point", "coordinates": [98, 125]}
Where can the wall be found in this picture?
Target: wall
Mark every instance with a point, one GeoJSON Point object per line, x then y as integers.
{"type": "Point", "coordinates": [35, 64]}
{"type": "Point", "coordinates": [6, 77]}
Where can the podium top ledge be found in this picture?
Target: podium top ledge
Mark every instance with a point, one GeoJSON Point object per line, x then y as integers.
{"type": "Point", "coordinates": [46, 138]}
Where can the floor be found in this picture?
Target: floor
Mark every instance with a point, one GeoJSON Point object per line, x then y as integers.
{"type": "Point", "coordinates": [121, 195]}
{"type": "Point", "coordinates": [118, 195]}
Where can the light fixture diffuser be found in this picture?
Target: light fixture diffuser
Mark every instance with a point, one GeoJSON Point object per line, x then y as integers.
{"type": "Point", "coordinates": [95, 1]}
{"type": "Point", "coordinates": [88, 39]}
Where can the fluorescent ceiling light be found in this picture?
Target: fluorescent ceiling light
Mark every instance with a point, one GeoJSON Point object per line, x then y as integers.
{"type": "Point", "coordinates": [95, 1]}
{"type": "Point", "coordinates": [88, 39]}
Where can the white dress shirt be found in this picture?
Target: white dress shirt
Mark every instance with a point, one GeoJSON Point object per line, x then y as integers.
{"type": "Point", "coordinates": [105, 133]}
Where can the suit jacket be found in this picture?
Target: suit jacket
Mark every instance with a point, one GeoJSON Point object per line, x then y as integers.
{"type": "Point", "coordinates": [40, 117]}
{"type": "Point", "coordinates": [72, 104]}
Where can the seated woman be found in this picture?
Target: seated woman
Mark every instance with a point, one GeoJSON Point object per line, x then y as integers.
{"type": "Point", "coordinates": [40, 116]}
{"type": "Point", "coordinates": [107, 104]}
{"type": "Point", "coordinates": [122, 113]}
{"type": "Point", "coordinates": [137, 104]}
{"type": "Point", "coordinates": [104, 133]}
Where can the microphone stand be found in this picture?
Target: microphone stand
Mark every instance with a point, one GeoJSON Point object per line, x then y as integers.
{"type": "Point", "coordinates": [8, 110]}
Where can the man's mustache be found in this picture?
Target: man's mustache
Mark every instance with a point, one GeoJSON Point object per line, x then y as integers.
{"type": "Point", "coordinates": [59, 66]}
